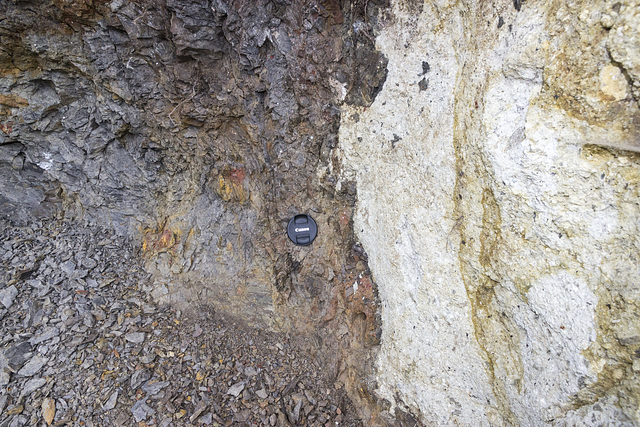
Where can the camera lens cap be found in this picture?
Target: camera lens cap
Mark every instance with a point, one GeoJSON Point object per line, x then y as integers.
{"type": "Point", "coordinates": [302, 230]}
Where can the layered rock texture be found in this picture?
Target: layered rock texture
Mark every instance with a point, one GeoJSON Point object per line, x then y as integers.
{"type": "Point", "coordinates": [473, 168]}
{"type": "Point", "coordinates": [198, 129]}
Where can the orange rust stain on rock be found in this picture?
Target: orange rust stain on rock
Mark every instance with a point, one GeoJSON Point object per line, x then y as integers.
{"type": "Point", "coordinates": [331, 310]}
{"type": "Point", "coordinates": [160, 240]}
{"type": "Point", "coordinates": [10, 72]}
{"type": "Point", "coordinates": [6, 127]}
{"type": "Point", "coordinates": [361, 302]}
{"type": "Point", "coordinates": [237, 175]}
{"type": "Point", "coordinates": [344, 218]}
{"type": "Point", "coordinates": [231, 186]}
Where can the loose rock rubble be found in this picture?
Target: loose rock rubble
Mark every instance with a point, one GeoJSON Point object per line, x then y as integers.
{"type": "Point", "coordinates": [82, 344]}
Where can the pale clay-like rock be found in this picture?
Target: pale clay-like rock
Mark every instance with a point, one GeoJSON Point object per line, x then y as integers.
{"type": "Point", "coordinates": [495, 236]}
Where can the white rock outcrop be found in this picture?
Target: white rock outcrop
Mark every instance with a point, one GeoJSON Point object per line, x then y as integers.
{"type": "Point", "coordinates": [497, 174]}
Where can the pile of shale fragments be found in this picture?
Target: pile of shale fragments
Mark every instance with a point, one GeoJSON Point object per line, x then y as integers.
{"type": "Point", "coordinates": [82, 344]}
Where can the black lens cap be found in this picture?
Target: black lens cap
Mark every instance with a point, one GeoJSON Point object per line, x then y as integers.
{"type": "Point", "coordinates": [302, 230]}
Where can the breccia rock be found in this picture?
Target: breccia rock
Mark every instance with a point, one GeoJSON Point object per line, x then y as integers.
{"type": "Point", "coordinates": [502, 229]}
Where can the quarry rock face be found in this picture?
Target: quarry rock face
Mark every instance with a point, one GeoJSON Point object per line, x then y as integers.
{"type": "Point", "coordinates": [497, 175]}
{"type": "Point", "coordinates": [197, 128]}
{"type": "Point", "coordinates": [473, 169]}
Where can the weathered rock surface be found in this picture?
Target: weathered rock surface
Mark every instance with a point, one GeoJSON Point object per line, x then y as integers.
{"type": "Point", "coordinates": [197, 129]}
{"type": "Point", "coordinates": [497, 175]}
{"type": "Point", "coordinates": [484, 153]}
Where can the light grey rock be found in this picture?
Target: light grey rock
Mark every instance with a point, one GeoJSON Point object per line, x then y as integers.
{"type": "Point", "coordinates": [262, 393]}
{"type": "Point", "coordinates": [139, 377]}
{"type": "Point", "coordinates": [200, 408]}
{"type": "Point", "coordinates": [296, 411]}
{"type": "Point", "coordinates": [250, 371]}
{"type": "Point", "coordinates": [19, 421]}
{"type": "Point", "coordinates": [48, 333]}
{"type": "Point", "coordinates": [5, 377]}
{"type": "Point", "coordinates": [111, 402]}
{"type": "Point", "coordinates": [78, 274]}
{"type": "Point", "coordinates": [467, 229]}
{"type": "Point", "coordinates": [33, 366]}
{"type": "Point", "coordinates": [153, 387]}
{"type": "Point", "coordinates": [68, 267]}
{"type": "Point", "coordinates": [3, 402]}
{"type": "Point", "coordinates": [236, 389]}
{"type": "Point", "coordinates": [148, 358]}
{"type": "Point", "coordinates": [206, 419]}
{"type": "Point", "coordinates": [8, 295]}
{"type": "Point", "coordinates": [141, 411]}
{"type": "Point", "coordinates": [31, 386]}
{"type": "Point", "coordinates": [89, 263]}
{"type": "Point", "coordinates": [135, 337]}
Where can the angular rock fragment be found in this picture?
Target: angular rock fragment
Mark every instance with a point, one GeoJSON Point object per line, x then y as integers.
{"type": "Point", "coordinates": [139, 377]}
{"type": "Point", "coordinates": [153, 387]}
{"type": "Point", "coordinates": [8, 295]}
{"type": "Point", "coordinates": [135, 337]}
{"type": "Point", "coordinates": [31, 386]}
{"type": "Point", "coordinates": [48, 410]}
{"type": "Point", "coordinates": [141, 411]}
{"type": "Point", "coordinates": [111, 402]}
{"type": "Point", "coordinates": [236, 389]}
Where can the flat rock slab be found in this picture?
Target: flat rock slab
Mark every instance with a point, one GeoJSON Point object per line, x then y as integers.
{"type": "Point", "coordinates": [141, 411]}
{"type": "Point", "coordinates": [135, 337]}
{"type": "Point", "coordinates": [33, 366]}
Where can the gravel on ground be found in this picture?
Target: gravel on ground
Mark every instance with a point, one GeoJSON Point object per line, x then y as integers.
{"type": "Point", "coordinates": [82, 343]}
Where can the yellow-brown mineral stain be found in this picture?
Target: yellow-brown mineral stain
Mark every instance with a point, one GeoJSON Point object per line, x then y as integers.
{"type": "Point", "coordinates": [231, 186]}
{"type": "Point", "coordinates": [162, 239]}
{"type": "Point", "coordinates": [13, 101]}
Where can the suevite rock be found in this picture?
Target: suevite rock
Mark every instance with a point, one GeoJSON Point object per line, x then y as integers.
{"type": "Point", "coordinates": [497, 177]}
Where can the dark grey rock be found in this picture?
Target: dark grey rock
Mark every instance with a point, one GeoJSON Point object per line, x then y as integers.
{"type": "Point", "coordinates": [17, 355]}
{"type": "Point", "coordinates": [139, 377]}
{"type": "Point", "coordinates": [33, 366]}
{"type": "Point", "coordinates": [193, 128]}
